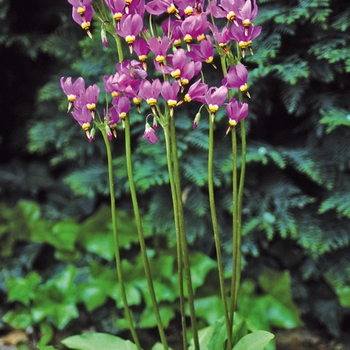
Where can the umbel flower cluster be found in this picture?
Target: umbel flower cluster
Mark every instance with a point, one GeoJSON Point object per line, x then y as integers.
{"type": "Point", "coordinates": [191, 32]}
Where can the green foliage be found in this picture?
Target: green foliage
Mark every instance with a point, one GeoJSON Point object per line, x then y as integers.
{"type": "Point", "coordinates": [92, 341]}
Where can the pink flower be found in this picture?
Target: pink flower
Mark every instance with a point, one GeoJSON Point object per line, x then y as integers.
{"type": "Point", "coordinates": [237, 78]}
{"type": "Point", "coordinates": [82, 13]}
{"type": "Point", "coordinates": [150, 134]}
{"type": "Point", "coordinates": [72, 90]}
{"type": "Point", "coordinates": [236, 111]}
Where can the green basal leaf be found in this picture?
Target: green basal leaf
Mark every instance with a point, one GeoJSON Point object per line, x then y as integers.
{"type": "Point", "coordinates": [22, 289]}
{"type": "Point", "coordinates": [148, 318]}
{"type": "Point", "coordinates": [93, 341]}
{"type": "Point", "coordinates": [201, 264]}
{"type": "Point", "coordinates": [278, 284]}
{"type": "Point", "coordinates": [209, 308]}
{"type": "Point", "coordinates": [158, 346]}
{"type": "Point", "coordinates": [254, 341]}
{"type": "Point", "coordinates": [93, 295]}
{"type": "Point", "coordinates": [19, 317]}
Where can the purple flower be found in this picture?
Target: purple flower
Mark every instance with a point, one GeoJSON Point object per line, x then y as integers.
{"type": "Point", "coordinates": [150, 134]}
{"type": "Point", "coordinates": [203, 52]}
{"type": "Point", "coordinates": [82, 13]}
{"type": "Point", "coordinates": [158, 7]}
{"type": "Point", "coordinates": [247, 14]}
{"type": "Point", "coordinates": [215, 97]}
{"type": "Point", "coordinates": [196, 92]}
{"type": "Point", "coordinates": [172, 29]}
{"type": "Point", "coordinates": [160, 48]}
{"type": "Point", "coordinates": [245, 40]}
{"type": "Point", "coordinates": [141, 49]}
{"type": "Point", "coordinates": [130, 27]}
{"type": "Point", "coordinates": [122, 106]}
{"type": "Point", "coordinates": [222, 38]}
{"type": "Point", "coordinates": [73, 91]}
{"type": "Point", "coordinates": [237, 78]}
{"type": "Point", "coordinates": [194, 27]}
{"type": "Point", "coordinates": [182, 69]}
{"type": "Point", "coordinates": [150, 92]}
{"type": "Point", "coordinates": [113, 119]}
{"type": "Point", "coordinates": [227, 9]}
{"type": "Point", "coordinates": [83, 116]}
{"type": "Point", "coordinates": [90, 97]}
{"type": "Point", "coordinates": [169, 93]}
{"type": "Point", "coordinates": [235, 112]}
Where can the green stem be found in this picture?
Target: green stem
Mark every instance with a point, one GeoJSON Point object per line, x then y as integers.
{"type": "Point", "coordinates": [119, 48]}
{"type": "Point", "coordinates": [178, 235]}
{"type": "Point", "coordinates": [235, 231]}
{"type": "Point", "coordinates": [240, 196]}
{"type": "Point", "coordinates": [140, 233]}
{"type": "Point", "coordinates": [183, 233]}
{"type": "Point", "coordinates": [216, 231]}
{"type": "Point", "coordinates": [116, 242]}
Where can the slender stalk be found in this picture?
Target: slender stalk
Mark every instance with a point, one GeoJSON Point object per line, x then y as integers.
{"type": "Point", "coordinates": [216, 231]}
{"type": "Point", "coordinates": [178, 235]}
{"type": "Point", "coordinates": [183, 233]}
{"type": "Point", "coordinates": [235, 230]}
{"type": "Point", "coordinates": [140, 233]}
{"type": "Point", "coordinates": [116, 242]}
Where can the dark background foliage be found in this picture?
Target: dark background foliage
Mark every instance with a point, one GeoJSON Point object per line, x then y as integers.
{"type": "Point", "coordinates": [297, 197]}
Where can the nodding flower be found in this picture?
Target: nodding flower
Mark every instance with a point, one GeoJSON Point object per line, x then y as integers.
{"type": "Point", "coordinates": [247, 14]}
{"type": "Point", "coordinates": [82, 13]}
{"type": "Point", "coordinates": [237, 78]}
{"type": "Point", "coordinates": [159, 7]}
{"type": "Point", "coordinates": [130, 28]}
{"type": "Point", "coordinates": [83, 116]}
{"type": "Point", "coordinates": [238, 34]}
{"type": "Point", "coordinates": [169, 93]}
{"type": "Point", "coordinates": [72, 90]}
{"type": "Point", "coordinates": [150, 134]}
{"type": "Point", "coordinates": [196, 92]}
{"type": "Point", "coordinates": [214, 98]}
{"type": "Point", "coordinates": [235, 111]}
{"type": "Point", "coordinates": [150, 92]}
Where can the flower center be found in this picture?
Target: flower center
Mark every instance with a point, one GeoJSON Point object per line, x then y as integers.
{"type": "Point", "coordinates": [151, 101]}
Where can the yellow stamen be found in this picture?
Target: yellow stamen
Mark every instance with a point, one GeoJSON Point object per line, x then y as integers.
{"type": "Point", "coordinates": [130, 39]}
{"type": "Point", "coordinates": [231, 16]}
{"type": "Point", "coordinates": [171, 103]}
{"type": "Point", "coordinates": [137, 100]}
{"type": "Point", "coordinates": [86, 126]}
{"type": "Point", "coordinates": [151, 101]}
{"type": "Point", "coordinates": [188, 10]}
{"type": "Point", "coordinates": [160, 58]}
{"type": "Point", "coordinates": [243, 88]}
{"type": "Point", "coordinates": [188, 38]}
{"type": "Point", "coordinates": [232, 122]}
{"type": "Point", "coordinates": [81, 10]}
{"type": "Point", "coordinates": [71, 98]}
{"type": "Point", "coordinates": [90, 106]}
{"type": "Point", "coordinates": [213, 108]}
{"type": "Point", "coordinates": [177, 42]}
{"type": "Point", "coordinates": [117, 16]}
{"type": "Point", "coordinates": [122, 115]}
{"type": "Point", "coordinates": [200, 37]}
{"type": "Point", "coordinates": [187, 98]}
{"type": "Point", "coordinates": [176, 74]}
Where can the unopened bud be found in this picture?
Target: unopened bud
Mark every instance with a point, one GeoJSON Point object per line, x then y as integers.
{"type": "Point", "coordinates": [104, 36]}
{"type": "Point", "coordinates": [196, 120]}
